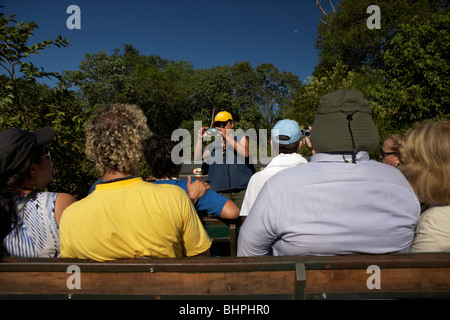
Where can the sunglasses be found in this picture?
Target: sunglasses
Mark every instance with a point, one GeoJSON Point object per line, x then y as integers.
{"type": "Point", "coordinates": [47, 156]}
{"type": "Point", "coordinates": [221, 124]}
{"type": "Point", "coordinates": [384, 154]}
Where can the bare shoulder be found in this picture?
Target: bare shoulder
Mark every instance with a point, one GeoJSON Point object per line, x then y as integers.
{"type": "Point", "coordinates": [63, 200]}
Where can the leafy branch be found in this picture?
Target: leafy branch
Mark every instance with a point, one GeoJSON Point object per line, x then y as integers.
{"type": "Point", "coordinates": [14, 49]}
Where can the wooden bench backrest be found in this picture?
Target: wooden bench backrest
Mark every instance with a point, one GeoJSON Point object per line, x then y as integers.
{"type": "Point", "coordinates": [353, 276]}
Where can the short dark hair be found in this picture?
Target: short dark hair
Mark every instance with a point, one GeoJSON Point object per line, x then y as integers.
{"type": "Point", "coordinates": [285, 148]}
{"type": "Point", "coordinates": [158, 154]}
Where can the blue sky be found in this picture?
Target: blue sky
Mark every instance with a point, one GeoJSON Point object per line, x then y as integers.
{"type": "Point", "coordinates": [206, 33]}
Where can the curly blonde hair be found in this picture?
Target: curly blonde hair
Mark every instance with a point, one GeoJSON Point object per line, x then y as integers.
{"type": "Point", "coordinates": [426, 156]}
{"type": "Point", "coordinates": [115, 138]}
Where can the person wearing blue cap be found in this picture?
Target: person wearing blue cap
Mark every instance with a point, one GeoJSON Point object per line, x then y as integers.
{"type": "Point", "coordinates": [340, 202]}
{"type": "Point", "coordinates": [286, 139]}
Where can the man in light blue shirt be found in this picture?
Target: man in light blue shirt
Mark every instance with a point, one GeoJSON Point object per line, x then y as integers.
{"type": "Point", "coordinates": [341, 202]}
{"type": "Point", "coordinates": [286, 138]}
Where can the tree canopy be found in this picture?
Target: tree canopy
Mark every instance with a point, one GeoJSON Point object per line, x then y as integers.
{"type": "Point", "coordinates": [343, 36]}
{"type": "Point", "coordinates": [402, 69]}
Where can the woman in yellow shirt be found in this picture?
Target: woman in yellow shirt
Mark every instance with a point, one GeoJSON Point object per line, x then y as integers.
{"type": "Point", "coordinates": [126, 217]}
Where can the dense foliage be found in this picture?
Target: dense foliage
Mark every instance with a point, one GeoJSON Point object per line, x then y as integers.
{"type": "Point", "coordinates": [402, 68]}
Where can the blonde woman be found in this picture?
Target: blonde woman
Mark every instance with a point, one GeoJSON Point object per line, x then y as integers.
{"type": "Point", "coordinates": [126, 217]}
{"type": "Point", "coordinates": [427, 167]}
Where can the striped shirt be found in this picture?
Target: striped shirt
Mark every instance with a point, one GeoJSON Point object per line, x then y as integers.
{"type": "Point", "coordinates": [35, 232]}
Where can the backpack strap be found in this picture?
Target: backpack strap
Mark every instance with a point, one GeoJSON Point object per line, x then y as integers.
{"type": "Point", "coordinates": [24, 201]}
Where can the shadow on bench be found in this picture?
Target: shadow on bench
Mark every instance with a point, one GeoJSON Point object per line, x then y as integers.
{"type": "Point", "coordinates": [395, 276]}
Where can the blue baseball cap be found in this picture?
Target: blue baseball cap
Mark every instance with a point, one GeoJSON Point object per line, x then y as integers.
{"type": "Point", "coordinates": [289, 128]}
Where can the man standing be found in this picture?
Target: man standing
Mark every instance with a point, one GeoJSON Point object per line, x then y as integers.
{"type": "Point", "coordinates": [339, 203]}
{"type": "Point", "coordinates": [228, 159]}
{"type": "Point", "coordinates": [286, 138]}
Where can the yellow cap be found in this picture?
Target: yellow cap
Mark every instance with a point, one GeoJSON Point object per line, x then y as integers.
{"type": "Point", "coordinates": [223, 116]}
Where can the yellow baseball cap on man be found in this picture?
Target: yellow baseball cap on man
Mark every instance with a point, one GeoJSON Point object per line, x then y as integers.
{"type": "Point", "coordinates": [223, 116]}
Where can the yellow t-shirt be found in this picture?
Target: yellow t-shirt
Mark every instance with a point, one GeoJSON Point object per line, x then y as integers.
{"type": "Point", "coordinates": [132, 218]}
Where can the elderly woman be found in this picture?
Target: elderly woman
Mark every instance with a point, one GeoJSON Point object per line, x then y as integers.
{"type": "Point", "coordinates": [126, 217]}
{"type": "Point", "coordinates": [29, 216]}
{"type": "Point", "coordinates": [427, 167]}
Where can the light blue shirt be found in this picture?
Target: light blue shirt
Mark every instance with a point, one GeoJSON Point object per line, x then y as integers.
{"type": "Point", "coordinates": [331, 207]}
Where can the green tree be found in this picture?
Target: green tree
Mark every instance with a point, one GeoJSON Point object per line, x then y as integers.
{"type": "Point", "coordinates": [160, 87]}
{"type": "Point", "coordinates": [25, 103]}
{"type": "Point", "coordinates": [406, 78]}
{"type": "Point", "coordinates": [211, 93]}
{"type": "Point", "coordinates": [417, 74]}
{"type": "Point", "coordinates": [275, 89]}
{"type": "Point", "coordinates": [304, 104]}
{"type": "Point", "coordinates": [244, 83]}
{"type": "Point", "coordinates": [101, 78]}
{"type": "Point", "coordinates": [14, 49]}
{"type": "Point", "coordinates": [66, 113]}
{"type": "Point", "coordinates": [343, 36]}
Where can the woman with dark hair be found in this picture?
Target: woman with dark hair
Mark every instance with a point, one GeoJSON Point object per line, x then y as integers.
{"type": "Point", "coordinates": [29, 216]}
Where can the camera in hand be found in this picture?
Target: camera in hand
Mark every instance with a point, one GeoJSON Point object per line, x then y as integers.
{"type": "Point", "coordinates": [305, 133]}
{"type": "Point", "coordinates": [212, 132]}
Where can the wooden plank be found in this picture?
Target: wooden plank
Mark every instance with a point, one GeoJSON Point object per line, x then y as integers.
{"type": "Point", "coordinates": [391, 280]}
{"type": "Point", "coordinates": [199, 264]}
{"type": "Point", "coordinates": [422, 260]}
{"type": "Point", "coordinates": [157, 284]}
{"type": "Point", "coordinates": [311, 262]}
{"type": "Point", "coordinates": [203, 264]}
{"type": "Point", "coordinates": [410, 275]}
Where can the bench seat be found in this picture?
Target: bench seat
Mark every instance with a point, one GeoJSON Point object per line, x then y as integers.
{"type": "Point", "coordinates": [390, 276]}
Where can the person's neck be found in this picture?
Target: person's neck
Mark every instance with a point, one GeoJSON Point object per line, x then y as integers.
{"type": "Point", "coordinates": [115, 175]}
{"type": "Point", "coordinates": [174, 177]}
{"type": "Point", "coordinates": [25, 191]}
{"type": "Point", "coordinates": [27, 187]}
